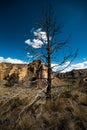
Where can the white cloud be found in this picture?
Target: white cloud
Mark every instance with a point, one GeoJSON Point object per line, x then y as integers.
{"type": "Point", "coordinates": [76, 66]}
{"type": "Point", "coordinates": [10, 60]}
{"type": "Point", "coordinates": [28, 42]}
{"type": "Point", "coordinates": [85, 62]}
{"type": "Point", "coordinates": [57, 67]}
{"type": "Point", "coordinates": [29, 55]}
{"type": "Point", "coordinates": [39, 40]}
{"type": "Point", "coordinates": [41, 35]}
{"type": "Point", "coordinates": [54, 67]}
{"type": "Point", "coordinates": [35, 43]}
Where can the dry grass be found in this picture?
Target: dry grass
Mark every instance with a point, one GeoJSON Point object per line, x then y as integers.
{"type": "Point", "coordinates": [62, 113]}
{"type": "Point", "coordinates": [80, 97]}
{"type": "Point", "coordinates": [79, 111]}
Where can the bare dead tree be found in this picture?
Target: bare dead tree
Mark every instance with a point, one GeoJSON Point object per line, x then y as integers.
{"type": "Point", "coordinates": [48, 34]}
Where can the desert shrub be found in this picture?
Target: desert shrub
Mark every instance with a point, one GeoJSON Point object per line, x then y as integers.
{"type": "Point", "coordinates": [52, 106]}
{"type": "Point", "coordinates": [33, 81]}
{"type": "Point", "coordinates": [15, 102]}
{"type": "Point", "coordinates": [78, 123]}
{"type": "Point", "coordinates": [75, 97]}
{"type": "Point", "coordinates": [12, 79]}
{"type": "Point", "coordinates": [66, 94]}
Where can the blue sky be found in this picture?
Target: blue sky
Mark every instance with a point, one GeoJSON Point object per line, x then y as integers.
{"type": "Point", "coordinates": [18, 17]}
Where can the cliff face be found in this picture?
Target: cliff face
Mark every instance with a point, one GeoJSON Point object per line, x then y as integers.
{"type": "Point", "coordinates": [35, 68]}
{"type": "Point", "coordinates": [33, 74]}
{"type": "Point", "coordinates": [38, 68]}
{"type": "Point", "coordinates": [6, 69]}
{"type": "Point", "coordinates": [26, 72]}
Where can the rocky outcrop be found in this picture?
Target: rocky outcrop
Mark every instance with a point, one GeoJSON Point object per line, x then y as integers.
{"type": "Point", "coordinates": [75, 77]}
{"type": "Point", "coordinates": [73, 74]}
{"type": "Point", "coordinates": [38, 68]}
{"type": "Point", "coordinates": [7, 69]}
{"type": "Point", "coordinates": [33, 74]}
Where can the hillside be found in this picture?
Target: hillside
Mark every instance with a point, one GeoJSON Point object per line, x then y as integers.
{"type": "Point", "coordinates": [23, 106]}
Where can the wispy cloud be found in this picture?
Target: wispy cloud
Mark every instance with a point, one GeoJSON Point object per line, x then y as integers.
{"type": "Point", "coordinates": [10, 60]}
{"type": "Point", "coordinates": [60, 68]}
{"type": "Point", "coordinates": [39, 40]}
{"type": "Point", "coordinates": [80, 65]}
{"type": "Point", "coordinates": [29, 55]}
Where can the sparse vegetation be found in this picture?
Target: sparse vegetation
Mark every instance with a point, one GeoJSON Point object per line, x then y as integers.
{"type": "Point", "coordinates": [66, 94]}
{"type": "Point", "coordinates": [64, 112]}
{"type": "Point", "coordinates": [12, 79]}
{"type": "Point", "coordinates": [24, 108]}
{"type": "Point", "coordinates": [15, 102]}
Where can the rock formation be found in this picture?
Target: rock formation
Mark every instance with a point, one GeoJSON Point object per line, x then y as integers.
{"type": "Point", "coordinates": [33, 74]}
{"type": "Point", "coordinates": [73, 74]}
{"type": "Point", "coordinates": [78, 77]}
{"type": "Point", "coordinates": [6, 69]}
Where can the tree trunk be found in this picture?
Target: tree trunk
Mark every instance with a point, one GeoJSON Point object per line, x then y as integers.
{"type": "Point", "coordinates": [48, 96]}
{"type": "Point", "coordinates": [49, 82]}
